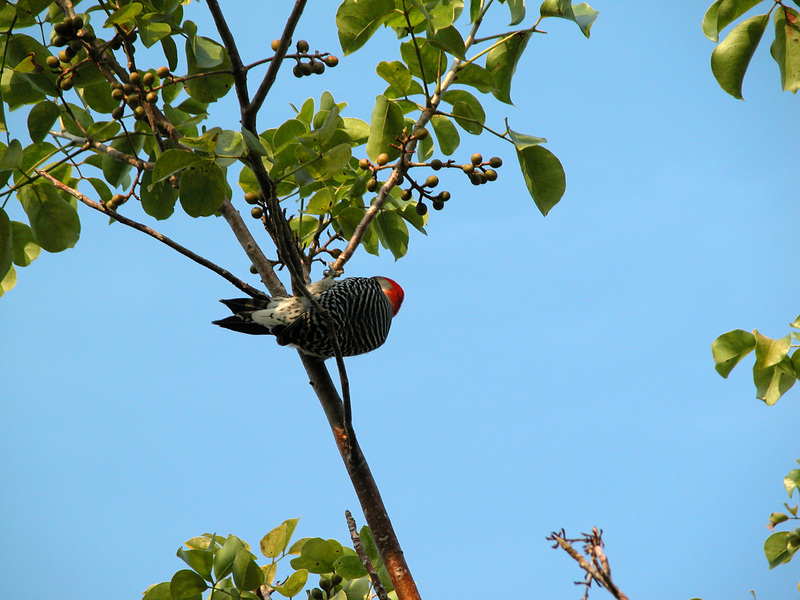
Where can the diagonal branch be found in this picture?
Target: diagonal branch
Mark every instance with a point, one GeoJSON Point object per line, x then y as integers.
{"type": "Point", "coordinates": [272, 72]}
{"type": "Point", "coordinates": [598, 570]}
{"type": "Point", "coordinates": [247, 289]}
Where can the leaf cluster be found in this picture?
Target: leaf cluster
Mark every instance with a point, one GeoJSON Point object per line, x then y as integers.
{"type": "Point", "coordinates": [731, 57]}
{"type": "Point", "coordinates": [226, 567]}
{"type": "Point", "coordinates": [105, 130]}
{"type": "Point", "coordinates": [781, 546]}
{"type": "Point", "coordinates": [777, 365]}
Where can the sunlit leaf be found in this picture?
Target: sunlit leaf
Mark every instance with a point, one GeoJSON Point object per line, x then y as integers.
{"type": "Point", "coordinates": [386, 124]}
{"type": "Point", "coordinates": [785, 48]}
{"type": "Point", "coordinates": [53, 220]}
{"type": "Point", "coordinates": [544, 176]}
{"type": "Point", "coordinates": [6, 243]}
{"type": "Point", "coordinates": [731, 347]}
{"type": "Point", "coordinates": [24, 248]}
{"type": "Point", "coordinates": [730, 59]}
{"type": "Point", "coordinates": [723, 12]}
{"type": "Point", "coordinates": [186, 585]}
{"type": "Point", "coordinates": [501, 62]}
{"type": "Point", "coordinates": [358, 20]}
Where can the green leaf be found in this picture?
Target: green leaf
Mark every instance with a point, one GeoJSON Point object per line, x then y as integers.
{"type": "Point", "coordinates": [318, 556]}
{"type": "Point", "coordinates": [357, 130]}
{"type": "Point", "coordinates": [386, 124]}
{"type": "Point", "coordinates": [202, 189]}
{"type": "Point", "coordinates": [208, 53]}
{"type": "Point", "coordinates": [446, 134]}
{"type": "Point", "coordinates": [358, 20]}
{"type": "Point", "coordinates": [346, 221]}
{"type": "Point", "coordinates": [172, 161]}
{"type": "Point", "coordinates": [224, 557]}
{"type": "Point", "coordinates": [773, 381]}
{"type": "Point", "coordinates": [450, 40]}
{"type": "Point", "coordinates": [428, 64]}
{"type": "Point", "coordinates": [187, 585]}
{"type": "Point", "coordinates": [201, 561]}
{"type": "Point", "coordinates": [792, 481]}
{"type": "Point", "coordinates": [325, 166]}
{"type": "Point", "coordinates": [723, 12]}
{"type": "Point", "coordinates": [770, 351]}
{"type": "Point", "coordinates": [24, 248]}
{"type": "Point", "coordinates": [785, 48]}
{"type": "Point", "coordinates": [365, 533]}
{"type": "Point", "coordinates": [201, 52]}
{"type": "Point", "coordinates": [396, 74]}
{"type": "Point", "coordinates": [9, 281]}
{"type": "Point", "coordinates": [247, 575]}
{"type": "Point", "coordinates": [293, 584]}
{"type": "Point", "coordinates": [275, 542]}
{"type": "Point", "coordinates": [477, 77]}
{"type": "Point", "coordinates": [730, 58]}
{"type": "Point", "coordinates": [116, 171]}
{"type": "Point", "coordinates": [776, 550]}
{"type": "Point", "coordinates": [125, 15]}
{"type": "Point", "coordinates": [349, 567]}
{"type": "Point", "coordinates": [392, 233]}
{"type": "Point", "coordinates": [54, 221]}
{"type": "Point", "coordinates": [582, 14]}
{"type": "Point", "coordinates": [12, 157]}
{"type": "Point", "coordinates": [320, 137]}
{"type": "Point", "coordinates": [544, 176]}
{"type": "Point", "coordinates": [321, 202]}
{"type": "Point", "coordinates": [158, 591]}
{"type": "Point", "coordinates": [41, 119]}
{"type": "Point", "coordinates": [731, 347]}
{"type": "Point", "coordinates": [501, 62]}
{"type": "Point", "coordinates": [517, 8]}
{"type": "Point", "coordinates": [6, 243]}
{"type": "Point", "coordinates": [467, 110]}
{"type": "Point", "coordinates": [150, 30]}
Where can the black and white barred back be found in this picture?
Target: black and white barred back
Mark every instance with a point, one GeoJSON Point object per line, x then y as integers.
{"type": "Point", "coordinates": [361, 308]}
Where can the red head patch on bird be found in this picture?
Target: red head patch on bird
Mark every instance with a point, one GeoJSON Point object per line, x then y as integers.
{"type": "Point", "coordinates": [393, 291]}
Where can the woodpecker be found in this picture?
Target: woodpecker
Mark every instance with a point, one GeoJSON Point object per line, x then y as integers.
{"type": "Point", "coordinates": [361, 307]}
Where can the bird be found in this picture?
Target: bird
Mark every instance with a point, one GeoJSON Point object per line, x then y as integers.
{"type": "Point", "coordinates": [362, 309]}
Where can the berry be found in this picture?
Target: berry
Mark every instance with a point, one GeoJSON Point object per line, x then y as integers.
{"type": "Point", "coordinates": [444, 196]}
{"type": "Point", "coordinates": [336, 579]}
{"type": "Point", "coordinates": [438, 205]}
{"type": "Point", "coordinates": [163, 72]}
{"type": "Point", "coordinates": [62, 29]}
{"type": "Point", "coordinates": [317, 67]}
{"type": "Point", "coordinates": [139, 113]}
{"type": "Point", "coordinates": [128, 88]}
{"type": "Point", "coordinates": [253, 270]}
{"type": "Point", "coordinates": [372, 185]}
{"type": "Point", "coordinates": [436, 164]}
{"type": "Point", "coordinates": [64, 56]}
{"type": "Point", "coordinates": [422, 208]}
{"type": "Point", "coordinates": [302, 46]}
{"type": "Point", "coordinates": [75, 44]}
{"type": "Point", "coordinates": [76, 23]}
{"type": "Point", "coordinates": [382, 159]}
{"type": "Point", "coordinates": [151, 97]}
{"type": "Point", "coordinates": [495, 162]}
{"type": "Point", "coordinates": [251, 198]}
{"type": "Point", "coordinates": [148, 79]}
{"type": "Point", "coordinates": [133, 100]}
{"type": "Point", "coordinates": [117, 113]}
{"type": "Point", "coordinates": [66, 84]}
{"type": "Point", "coordinates": [60, 41]}
{"type": "Point", "coordinates": [297, 71]}
{"type": "Point", "coordinates": [405, 194]}
{"type": "Point", "coordinates": [325, 583]}
{"type": "Point", "coordinates": [476, 178]}
{"type": "Point", "coordinates": [363, 164]}
{"type": "Point", "coordinates": [421, 133]}
{"type": "Point", "coordinates": [490, 174]}
{"type": "Point", "coordinates": [275, 45]}
{"type": "Point", "coordinates": [317, 594]}
{"type": "Point", "coordinates": [476, 158]}
{"type": "Point", "coordinates": [52, 62]}
{"type": "Point", "coordinates": [331, 60]}
{"type": "Point", "coordinates": [305, 68]}
{"type": "Point", "coordinates": [117, 94]}
{"type": "Point", "coordinates": [468, 169]}
{"type": "Point", "coordinates": [432, 181]}
{"type": "Point", "coordinates": [87, 36]}
{"type": "Point", "coordinates": [135, 78]}
{"type": "Point", "coordinates": [257, 212]}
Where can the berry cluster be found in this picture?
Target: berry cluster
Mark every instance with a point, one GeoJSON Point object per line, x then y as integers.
{"type": "Point", "coordinates": [258, 210]}
{"type": "Point", "coordinates": [478, 171]}
{"type": "Point", "coordinates": [327, 587]}
{"type": "Point", "coordinates": [70, 34]}
{"type": "Point", "coordinates": [138, 89]}
{"type": "Point", "coordinates": [316, 62]}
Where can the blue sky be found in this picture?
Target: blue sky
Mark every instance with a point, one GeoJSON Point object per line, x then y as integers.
{"type": "Point", "coordinates": [542, 373]}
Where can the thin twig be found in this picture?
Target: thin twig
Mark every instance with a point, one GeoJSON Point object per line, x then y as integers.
{"type": "Point", "coordinates": [247, 289]}
{"type": "Point", "coordinates": [101, 147]}
{"type": "Point", "coordinates": [377, 584]}
{"type": "Point", "coordinates": [598, 570]}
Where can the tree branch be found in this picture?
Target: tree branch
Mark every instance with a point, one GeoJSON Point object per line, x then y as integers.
{"type": "Point", "coordinates": [247, 289]}
{"type": "Point", "coordinates": [598, 570]}
{"type": "Point", "coordinates": [377, 585]}
{"type": "Point", "coordinates": [363, 482]}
